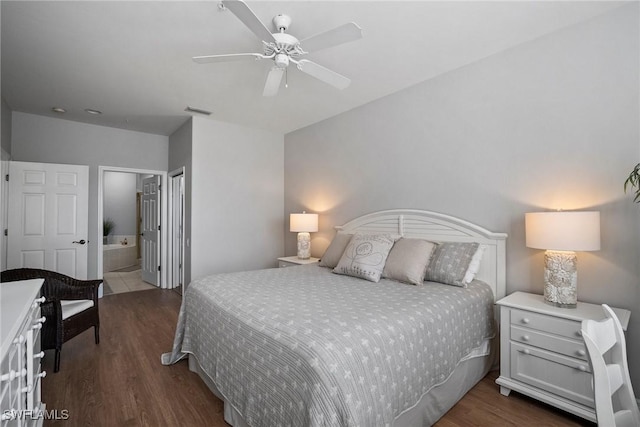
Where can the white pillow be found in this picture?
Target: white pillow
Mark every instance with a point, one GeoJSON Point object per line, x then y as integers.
{"type": "Point", "coordinates": [365, 256]}
{"type": "Point", "coordinates": [474, 265]}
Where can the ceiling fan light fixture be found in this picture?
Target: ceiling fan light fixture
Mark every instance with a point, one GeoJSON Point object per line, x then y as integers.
{"type": "Point", "coordinates": [281, 60]}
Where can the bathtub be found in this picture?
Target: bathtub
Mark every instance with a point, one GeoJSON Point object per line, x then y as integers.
{"type": "Point", "coordinates": [116, 255]}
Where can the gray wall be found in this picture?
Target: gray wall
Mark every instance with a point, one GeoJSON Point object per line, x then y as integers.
{"type": "Point", "coordinates": [553, 123]}
{"type": "Point", "coordinates": [180, 144]}
{"type": "Point", "coordinates": [49, 140]}
{"type": "Point", "coordinates": [119, 201]}
{"type": "Point", "coordinates": [237, 198]}
{"type": "Point", "coordinates": [5, 126]}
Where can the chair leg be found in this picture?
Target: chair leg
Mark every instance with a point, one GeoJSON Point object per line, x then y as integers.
{"type": "Point", "coordinates": [56, 367]}
{"type": "Point", "coordinates": [97, 333]}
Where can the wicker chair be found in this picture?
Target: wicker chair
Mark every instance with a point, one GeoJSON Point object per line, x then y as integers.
{"type": "Point", "coordinates": [66, 315]}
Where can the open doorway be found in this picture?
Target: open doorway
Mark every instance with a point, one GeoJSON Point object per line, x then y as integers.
{"type": "Point", "coordinates": [131, 213]}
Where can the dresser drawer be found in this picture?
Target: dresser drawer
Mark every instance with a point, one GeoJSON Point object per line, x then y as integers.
{"type": "Point", "coordinates": [568, 347]}
{"type": "Point", "coordinates": [554, 325]}
{"type": "Point", "coordinates": [563, 376]}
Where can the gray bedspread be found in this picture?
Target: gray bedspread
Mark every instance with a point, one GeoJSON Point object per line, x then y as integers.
{"type": "Point", "coordinates": [301, 346]}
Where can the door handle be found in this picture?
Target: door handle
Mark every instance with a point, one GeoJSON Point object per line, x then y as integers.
{"type": "Point", "coordinates": [81, 242]}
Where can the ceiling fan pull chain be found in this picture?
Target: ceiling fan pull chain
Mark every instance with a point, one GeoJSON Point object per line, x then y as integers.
{"type": "Point", "coordinates": [286, 78]}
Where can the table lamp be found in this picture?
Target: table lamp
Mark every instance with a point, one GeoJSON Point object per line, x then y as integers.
{"type": "Point", "coordinates": [304, 224]}
{"type": "Point", "coordinates": [560, 234]}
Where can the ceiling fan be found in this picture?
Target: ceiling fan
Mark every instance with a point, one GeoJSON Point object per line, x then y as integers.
{"type": "Point", "coordinates": [284, 48]}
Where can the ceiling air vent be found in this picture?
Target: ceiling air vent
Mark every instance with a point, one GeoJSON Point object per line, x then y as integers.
{"type": "Point", "coordinates": [197, 110]}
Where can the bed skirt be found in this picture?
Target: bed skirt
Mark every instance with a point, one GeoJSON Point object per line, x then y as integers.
{"type": "Point", "coordinates": [431, 407]}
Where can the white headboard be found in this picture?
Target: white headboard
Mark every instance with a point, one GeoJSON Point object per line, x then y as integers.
{"type": "Point", "coordinates": [438, 227]}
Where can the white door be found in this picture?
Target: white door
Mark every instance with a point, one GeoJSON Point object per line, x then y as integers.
{"type": "Point", "coordinates": [177, 231]}
{"type": "Point", "coordinates": [151, 229]}
{"type": "Point", "coordinates": [48, 216]}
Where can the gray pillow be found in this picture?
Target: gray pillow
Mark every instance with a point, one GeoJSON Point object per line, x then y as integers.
{"type": "Point", "coordinates": [335, 250]}
{"type": "Point", "coordinates": [450, 262]}
{"type": "Point", "coordinates": [365, 256]}
{"type": "Point", "coordinates": [408, 260]}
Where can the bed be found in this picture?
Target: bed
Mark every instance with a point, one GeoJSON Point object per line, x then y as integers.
{"type": "Point", "coordinates": [303, 346]}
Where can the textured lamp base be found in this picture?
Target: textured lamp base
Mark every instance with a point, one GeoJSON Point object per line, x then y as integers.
{"type": "Point", "coordinates": [561, 278]}
{"type": "Point", "coordinates": [304, 245]}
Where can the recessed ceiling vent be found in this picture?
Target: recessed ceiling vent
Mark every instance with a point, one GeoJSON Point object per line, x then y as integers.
{"type": "Point", "coordinates": [197, 110]}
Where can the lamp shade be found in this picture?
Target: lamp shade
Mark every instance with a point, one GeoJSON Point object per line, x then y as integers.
{"type": "Point", "coordinates": [303, 222]}
{"type": "Point", "coordinates": [563, 230]}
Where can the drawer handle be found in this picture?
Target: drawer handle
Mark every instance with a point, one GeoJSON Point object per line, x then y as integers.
{"type": "Point", "coordinates": [581, 353]}
{"type": "Point", "coordinates": [13, 375]}
{"type": "Point", "coordinates": [9, 377]}
{"type": "Point", "coordinates": [526, 351]}
{"type": "Point", "coordinates": [525, 338]}
{"type": "Point", "coordinates": [525, 320]}
{"type": "Point", "coordinates": [582, 368]}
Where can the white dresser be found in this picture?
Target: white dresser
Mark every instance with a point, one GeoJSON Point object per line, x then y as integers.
{"type": "Point", "coordinates": [20, 374]}
{"type": "Point", "coordinates": [542, 353]}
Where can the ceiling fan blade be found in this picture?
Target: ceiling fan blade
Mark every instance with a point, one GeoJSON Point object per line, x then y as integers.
{"type": "Point", "coordinates": [323, 74]}
{"type": "Point", "coordinates": [248, 18]}
{"type": "Point", "coordinates": [226, 58]}
{"type": "Point", "coordinates": [342, 34]}
{"type": "Point", "coordinates": [272, 84]}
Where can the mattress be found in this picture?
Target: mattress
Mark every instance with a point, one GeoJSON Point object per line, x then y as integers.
{"type": "Point", "coordinates": [301, 346]}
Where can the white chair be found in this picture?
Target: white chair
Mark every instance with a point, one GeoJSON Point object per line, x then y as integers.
{"type": "Point", "coordinates": [616, 404]}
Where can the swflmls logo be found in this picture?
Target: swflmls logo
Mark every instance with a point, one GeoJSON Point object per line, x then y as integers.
{"type": "Point", "coordinates": [30, 414]}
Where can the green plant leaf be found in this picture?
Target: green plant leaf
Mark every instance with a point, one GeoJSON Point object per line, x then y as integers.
{"type": "Point", "coordinates": [633, 181]}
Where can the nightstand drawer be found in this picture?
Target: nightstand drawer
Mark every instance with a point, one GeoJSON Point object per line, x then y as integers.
{"type": "Point", "coordinates": [550, 324]}
{"type": "Point", "coordinates": [568, 347]}
{"type": "Point", "coordinates": [557, 374]}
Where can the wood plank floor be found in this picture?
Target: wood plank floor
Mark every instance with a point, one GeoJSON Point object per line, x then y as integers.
{"type": "Point", "coordinates": [121, 382]}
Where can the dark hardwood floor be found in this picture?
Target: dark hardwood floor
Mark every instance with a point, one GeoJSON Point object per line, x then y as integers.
{"type": "Point", "coordinates": [121, 382]}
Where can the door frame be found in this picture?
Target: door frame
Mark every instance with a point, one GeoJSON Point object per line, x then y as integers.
{"type": "Point", "coordinates": [163, 217]}
{"type": "Point", "coordinates": [5, 158]}
{"type": "Point", "coordinates": [170, 229]}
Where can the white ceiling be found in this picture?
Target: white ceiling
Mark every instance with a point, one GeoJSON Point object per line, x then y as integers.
{"type": "Point", "coordinates": [132, 60]}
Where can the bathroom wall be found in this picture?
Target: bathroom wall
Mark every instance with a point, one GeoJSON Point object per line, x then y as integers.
{"type": "Point", "coordinates": [119, 202]}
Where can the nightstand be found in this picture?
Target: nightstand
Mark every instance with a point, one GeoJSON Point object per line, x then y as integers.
{"type": "Point", "coordinates": [542, 353]}
{"type": "Point", "coordinates": [290, 261]}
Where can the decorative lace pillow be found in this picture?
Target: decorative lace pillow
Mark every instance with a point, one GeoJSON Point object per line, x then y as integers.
{"type": "Point", "coordinates": [450, 262]}
{"type": "Point", "coordinates": [408, 260]}
{"type": "Point", "coordinates": [365, 256]}
{"type": "Point", "coordinates": [335, 250]}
